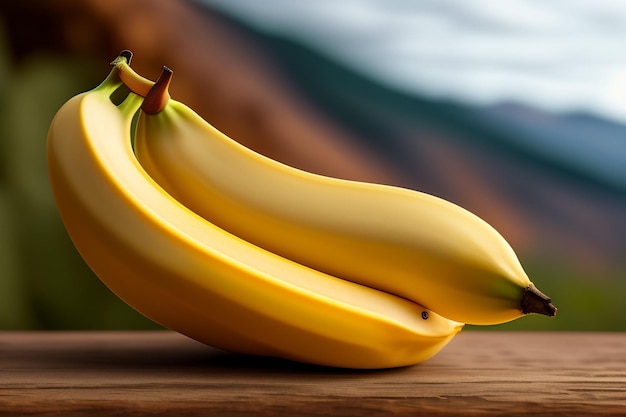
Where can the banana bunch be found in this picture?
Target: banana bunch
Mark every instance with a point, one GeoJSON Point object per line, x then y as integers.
{"type": "Point", "coordinates": [240, 252]}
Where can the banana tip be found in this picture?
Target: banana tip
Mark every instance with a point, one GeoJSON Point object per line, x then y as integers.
{"type": "Point", "coordinates": [534, 301]}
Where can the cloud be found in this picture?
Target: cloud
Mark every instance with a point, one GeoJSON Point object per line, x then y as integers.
{"type": "Point", "coordinates": [559, 55]}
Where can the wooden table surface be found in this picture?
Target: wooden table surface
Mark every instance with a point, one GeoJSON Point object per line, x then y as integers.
{"type": "Point", "coordinates": [161, 373]}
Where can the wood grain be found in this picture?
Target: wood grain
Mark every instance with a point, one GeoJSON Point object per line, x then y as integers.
{"type": "Point", "coordinates": [161, 373]}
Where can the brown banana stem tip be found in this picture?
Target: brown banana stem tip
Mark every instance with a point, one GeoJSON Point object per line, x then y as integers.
{"type": "Point", "coordinates": [534, 301]}
{"type": "Point", "coordinates": [159, 94]}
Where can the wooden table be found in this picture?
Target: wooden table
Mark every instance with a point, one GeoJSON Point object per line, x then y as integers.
{"type": "Point", "coordinates": [160, 373]}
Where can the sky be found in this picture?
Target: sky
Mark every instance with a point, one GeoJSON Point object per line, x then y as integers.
{"type": "Point", "coordinates": [558, 55]}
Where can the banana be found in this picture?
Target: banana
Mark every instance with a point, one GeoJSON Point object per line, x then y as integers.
{"type": "Point", "coordinates": [194, 277]}
{"type": "Point", "coordinates": [400, 241]}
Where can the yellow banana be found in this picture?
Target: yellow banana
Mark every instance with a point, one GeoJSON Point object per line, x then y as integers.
{"type": "Point", "coordinates": [401, 241]}
{"type": "Point", "coordinates": [191, 276]}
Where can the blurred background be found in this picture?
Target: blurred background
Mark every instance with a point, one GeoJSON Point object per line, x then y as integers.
{"type": "Point", "coordinates": [514, 110]}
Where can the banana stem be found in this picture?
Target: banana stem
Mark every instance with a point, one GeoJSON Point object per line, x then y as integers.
{"type": "Point", "coordinates": [159, 94]}
{"type": "Point", "coordinates": [534, 301]}
{"type": "Point", "coordinates": [135, 82]}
